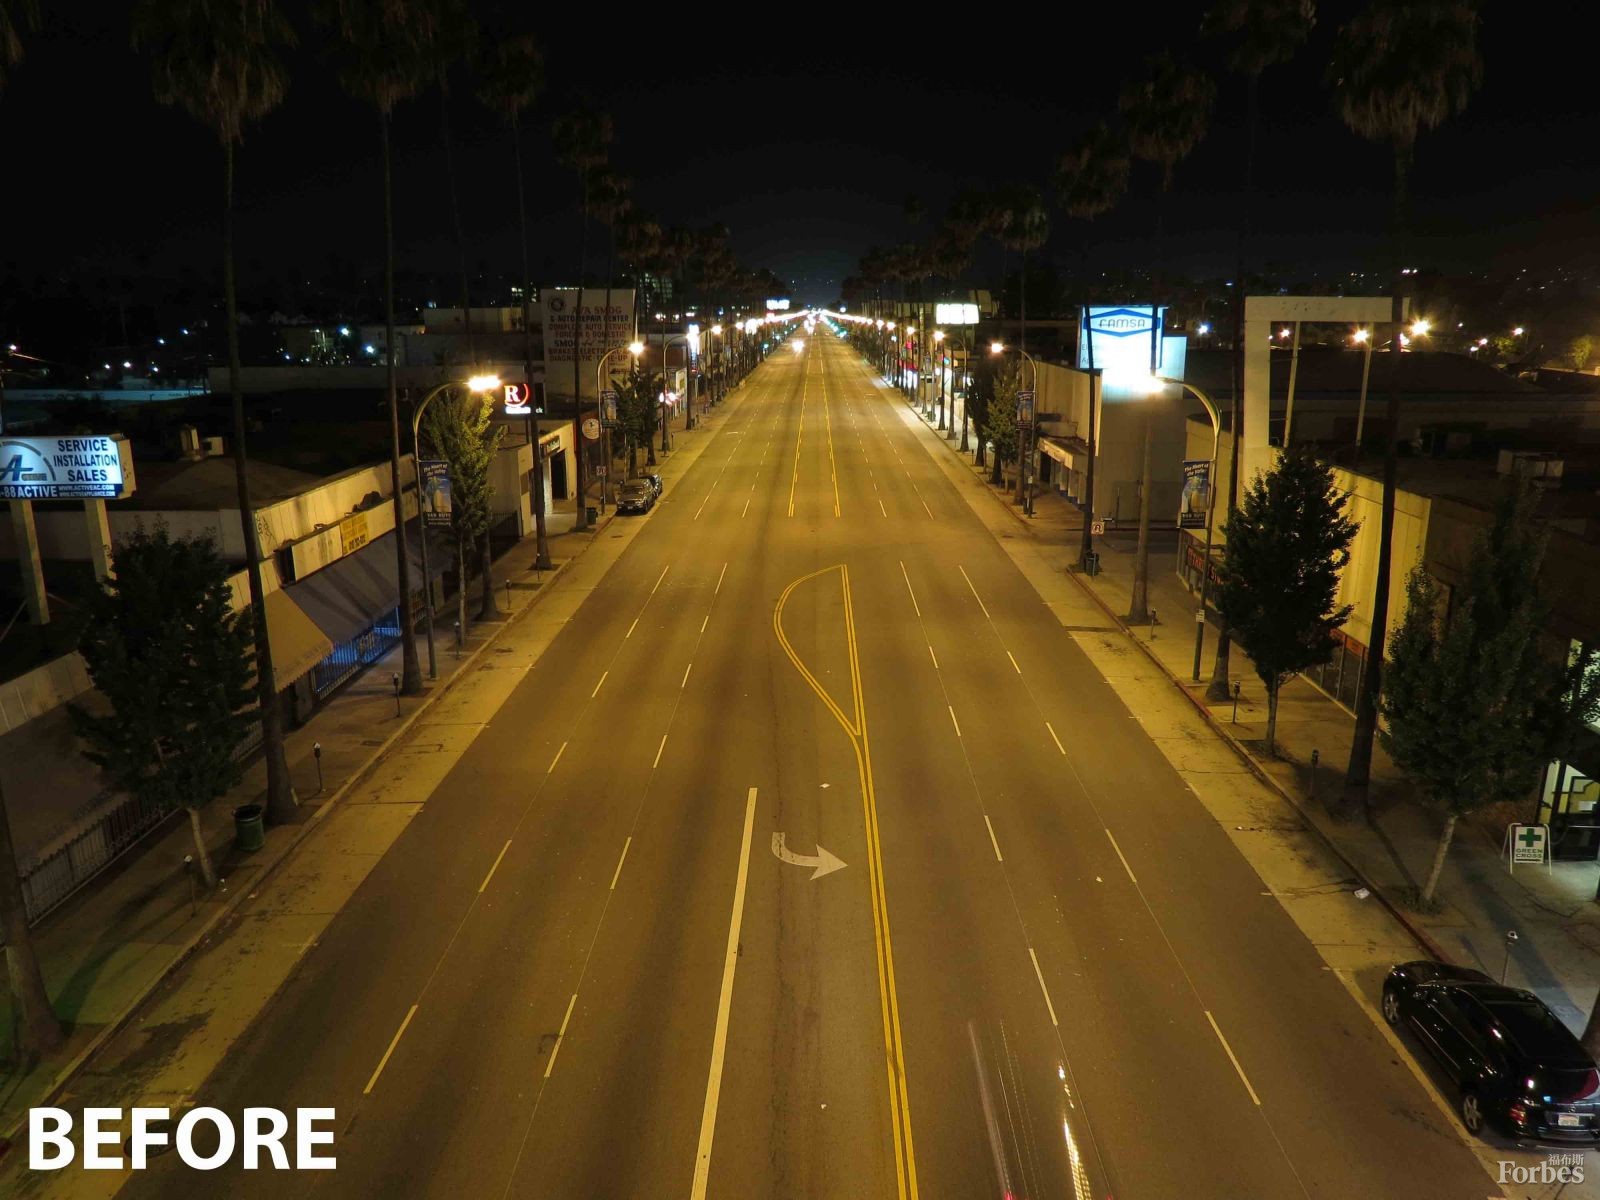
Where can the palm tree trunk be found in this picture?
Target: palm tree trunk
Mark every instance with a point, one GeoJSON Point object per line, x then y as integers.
{"type": "Point", "coordinates": [411, 668]}
{"type": "Point", "coordinates": [1218, 689]}
{"type": "Point", "coordinates": [1138, 609]}
{"type": "Point", "coordinates": [486, 569]}
{"type": "Point", "coordinates": [37, 1028]}
{"type": "Point", "coordinates": [1272, 718]}
{"type": "Point", "coordinates": [208, 873]}
{"type": "Point", "coordinates": [455, 219]}
{"type": "Point", "coordinates": [541, 533]}
{"type": "Point", "coordinates": [581, 476]}
{"type": "Point", "coordinates": [1425, 898]}
{"type": "Point", "coordinates": [281, 800]}
{"type": "Point", "coordinates": [1355, 796]}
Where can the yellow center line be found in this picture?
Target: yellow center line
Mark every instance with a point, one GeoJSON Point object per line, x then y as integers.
{"type": "Point", "coordinates": [800, 431]}
{"type": "Point", "coordinates": [888, 992]}
{"type": "Point", "coordinates": [833, 467]}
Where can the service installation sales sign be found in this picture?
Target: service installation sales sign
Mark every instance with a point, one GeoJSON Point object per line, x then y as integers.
{"type": "Point", "coordinates": [93, 467]}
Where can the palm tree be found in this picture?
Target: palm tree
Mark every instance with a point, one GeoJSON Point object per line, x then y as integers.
{"type": "Point", "coordinates": [582, 141]}
{"type": "Point", "coordinates": [38, 1030]}
{"type": "Point", "coordinates": [1262, 34]}
{"type": "Point", "coordinates": [512, 76]}
{"type": "Point", "coordinates": [1167, 110]}
{"type": "Point", "coordinates": [1091, 178]}
{"type": "Point", "coordinates": [383, 50]}
{"type": "Point", "coordinates": [454, 42]}
{"type": "Point", "coordinates": [1398, 69]}
{"type": "Point", "coordinates": [219, 63]}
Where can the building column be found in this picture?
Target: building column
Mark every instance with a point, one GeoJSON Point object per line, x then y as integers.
{"type": "Point", "coordinates": [98, 530]}
{"type": "Point", "coordinates": [29, 562]}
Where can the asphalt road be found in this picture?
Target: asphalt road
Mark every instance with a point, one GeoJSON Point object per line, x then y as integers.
{"type": "Point", "coordinates": [584, 971]}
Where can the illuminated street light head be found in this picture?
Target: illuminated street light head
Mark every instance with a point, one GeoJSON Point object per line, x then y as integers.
{"type": "Point", "coordinates": [1517, 332]}
{"type": "Point", "coordinates": [997, 347]}
{"type": "Point", "coordinates": [716, 331]}
{"type": "Point", "coordinates": [1420, 327]}
{"type": "Point", "coordinates": [637, 348]}
{"type": "Point", "coordinates": [1204, 329]}
{"type": "Point", "coordinates": [1360, 335]}
{"type": "Point", "coordinates": [483, 383]}
{"type": "Point", "coordinates": [1283, 333]}
{"type": "Point", "coordinates": [938, 335]}
{"type": "Point", "coordinates": [890, 326]}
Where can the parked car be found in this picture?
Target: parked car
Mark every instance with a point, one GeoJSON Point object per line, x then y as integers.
{"type": "Point", "coordinates": [1516, 1066]}
{"type": "Point", "coordinates": [655, 483]}
{"type": "Point", "coordinates": [635, 496]}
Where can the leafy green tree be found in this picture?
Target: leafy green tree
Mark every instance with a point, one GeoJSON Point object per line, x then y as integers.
{"type": "Point", "coordinates": [1286, 545]}
{"type": "Point", "coordinates": [1473, 704]}
{"type": "Point", "coordinates": [465, 435]}
{"type": "Point", "coordinates": [1000, 419]}
{"type": "Point", "coordinates": [383, 52]}
{"type": "Point", "coordinates": [1398, 69]}
{"type": "Point", "coordinates": [220, 63]}
{"type": "Point", "coordinates": [1579, 350]}
{"type": "Point", "coordinates": [166, 650]}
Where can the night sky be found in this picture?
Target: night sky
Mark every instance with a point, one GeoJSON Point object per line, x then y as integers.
{"type": "Point", "coordinates": [803, 130]}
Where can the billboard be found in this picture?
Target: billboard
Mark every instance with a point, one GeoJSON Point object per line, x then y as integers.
{"type": "Point", "coordinates": [435, 491]}
{"type": "Point", "coordinates": [82, 467]}
{"type": "Point", "coordinates": [780, 304]}
{"type": "Point", "coordinates": [1120, 336]}
{"type": "Point", "coordinates": [955, 314]}
{"type": "Point", "coordinates": [569, 317]}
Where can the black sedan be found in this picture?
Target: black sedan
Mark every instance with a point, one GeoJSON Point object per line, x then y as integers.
{"type": "Point", "coordinates": [1517, 1067]}
{"type": "Point", "coordinates": [635, 496]}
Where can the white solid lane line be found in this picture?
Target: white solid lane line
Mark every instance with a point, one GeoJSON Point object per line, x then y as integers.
{"type": "Point", "coordinates": [912, 594]}
{"type": "Point", "coordinates": [660, 577]}
{"type": "Point", "coordinates": [719, 1040]}
{"type": "Point", "coordinates": [702, 507]}
{"type": "Point", "coordinates": [1039, 975]}
{"type": "Point", "coordinates": [560, 1037]}
{"type": "Point", "coordinates": [1233, 1058]}
{"type": "Point", "coordinates": [393, 1042]}
{"type": "Point", "coordinates": [597, 686]}
{"type": "Point", "coordinates": [493, 868]}
{"type": "Point", "coordinates": [1124, 858]}
{"type": "Point", "coordinates": [556, 759]}
{"type": "Point", "coordinates": [993, 841]}
{"type": "Point", "coordinates": [975, 595]}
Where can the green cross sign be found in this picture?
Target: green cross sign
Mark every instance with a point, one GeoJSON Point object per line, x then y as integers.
{"type": "Point", "coordinates": [1531, 837]}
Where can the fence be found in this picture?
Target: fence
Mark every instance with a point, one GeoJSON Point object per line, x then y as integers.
{"type": "Point", "coordinates": [83, 852]}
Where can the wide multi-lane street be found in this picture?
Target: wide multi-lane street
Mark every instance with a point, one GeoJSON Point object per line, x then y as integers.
{"type": "Point", "coordinates": [614, 954]}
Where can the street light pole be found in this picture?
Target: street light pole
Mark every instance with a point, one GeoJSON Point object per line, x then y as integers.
{"type": "Point", "coordinates": [1211, 514]}
{"type": "Point", "coordinates": [478, 384]}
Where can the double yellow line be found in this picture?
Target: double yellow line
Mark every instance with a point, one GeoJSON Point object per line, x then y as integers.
{"type": "Point", "coordinates": [905, 1163]}
{"type": "Point", "coordinates": [833, 467]}
{"type": "Point", "coordinates": [794, 477]}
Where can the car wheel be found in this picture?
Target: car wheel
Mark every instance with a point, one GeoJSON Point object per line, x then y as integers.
{"type": "Point", "coordinates": [1391, 1006]}
{"type": "Point", "coordinates": [1471, 1109]}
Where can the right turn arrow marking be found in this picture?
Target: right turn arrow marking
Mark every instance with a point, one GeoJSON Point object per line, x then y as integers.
{"type": "Point", "coordinates": [821, 860]}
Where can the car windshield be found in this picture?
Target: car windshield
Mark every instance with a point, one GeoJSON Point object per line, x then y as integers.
{"type": "Point", "coordinates": [633, 489]}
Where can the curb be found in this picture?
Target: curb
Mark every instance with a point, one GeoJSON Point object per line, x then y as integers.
{"type": "Point", "coordinates": [1418, 934]}
{"type": "Point", "coordinates": [111, 1029]}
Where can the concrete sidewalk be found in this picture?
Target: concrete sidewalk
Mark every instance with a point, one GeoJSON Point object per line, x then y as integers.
{"type": "Point", "coordinates": [108, 950]}
{"type": "Point", "coordinates": [1552, 911]}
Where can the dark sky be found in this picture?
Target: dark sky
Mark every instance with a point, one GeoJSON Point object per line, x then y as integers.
{"type": "Point", "coordinates": [803, 130]}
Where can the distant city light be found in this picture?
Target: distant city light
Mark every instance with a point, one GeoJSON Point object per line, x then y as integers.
{"type": "Point", "coordinates": [159, 342]}
{"type": "Point", "coordinates": [369, 348]}
{"type": "Point", "coordinates": [185, 332]}
{"type": "Point", "coordinates": [1204, 329]}
{"type": "Point", "coordinates": [344, 331]}
{"type": "Point", "coordinates": [127, 366]}
{"type": "Point", "coordinates": [1517, 332]}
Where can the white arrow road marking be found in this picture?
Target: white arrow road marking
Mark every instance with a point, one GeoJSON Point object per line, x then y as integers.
{"type": "Point", "coordinates": [821, 860]}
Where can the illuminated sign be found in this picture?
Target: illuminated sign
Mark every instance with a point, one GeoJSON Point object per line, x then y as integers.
{"type": "Point", "coordinates": [520, 400]}
{"type": "Point", "coordinates": [63, 468]}
{"type": "Point", "coordinates": [781, 305]}
{"type": "Point", "coordinates": [693, 335]}
{"type": "Point", "coordinates": [955, 314]}
{"type": "Point", "coordinates": [1121, 322]}
{"type": "Point", "coordinates": [1120, 337]}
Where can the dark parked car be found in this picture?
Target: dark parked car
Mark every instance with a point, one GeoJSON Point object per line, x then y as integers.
{"type": "Point", "coordinates": [635, 496]}
{"type": "Point", "coordinates": [1518, 1068]}
{"type": "Point", "coordinates": [654, 481]}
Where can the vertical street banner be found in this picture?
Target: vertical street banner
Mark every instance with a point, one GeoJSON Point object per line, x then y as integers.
{"type": "Point", "coordinates": [435, 491]}
{"type": "Point", "coordinates": [1196, 499]}
{"type": "Point", "coordinates": [567, 315]}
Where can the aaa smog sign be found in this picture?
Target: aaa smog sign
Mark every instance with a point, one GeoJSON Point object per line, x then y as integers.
{"type": "Point", "coordinates": [64, 468]}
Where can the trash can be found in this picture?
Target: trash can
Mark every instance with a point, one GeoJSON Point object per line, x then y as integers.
{"type": "Point", "coordinates": [592, 513]}
{"type": "Point", "coordinates": [1091, 563]}
{"type": "Point", "coordinates": [248, 831]}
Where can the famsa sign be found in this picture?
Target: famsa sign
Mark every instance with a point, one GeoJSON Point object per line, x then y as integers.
{"type": "Point", "coordinates": [92, 467]}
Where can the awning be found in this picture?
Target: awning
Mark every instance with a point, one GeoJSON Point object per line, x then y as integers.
{"type": "Point", "coordinates": [1060, 450]}
{"type": "Point", "coordinates": [297, 643]}
{"type": "Point", "coordinates": [347, 596]}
